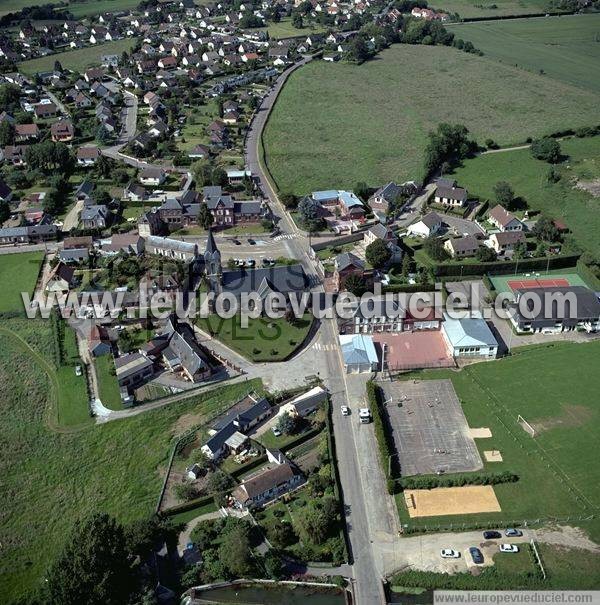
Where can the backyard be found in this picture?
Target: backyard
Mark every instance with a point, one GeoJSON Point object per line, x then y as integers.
{"type": "Point", "coordinates": [264, 339]}
{"type": "Point", "coordinates": [77, 60]}
{"type": "Point", "coordinates": [322, 105]}
{"type": "Point", "coordinates": [107, 383]}
{"type": "Point", "coordinates": [50, 478]}
{"type": "Point", "coordinates": [539, 383]}
{"type": "Point", "coordinates": [576, 207]}
{"type": "Point", "coordinates": [562, 48]}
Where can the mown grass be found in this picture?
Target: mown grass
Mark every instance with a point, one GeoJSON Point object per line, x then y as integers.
{"type": "Point", "coordinates": [18, 273]}
{"type": "Point", "coordinates": [563, 48]}
{"type": "Point", "coordinates": [264, 339]}
{"type": "Point", "coordinates": [336, 124]}
{"type": "Point", "coordinates": [558, 476]}
{"type": "Point", "coordinates": [77, 60]}
{"type": "Point", "coordinates": [529, 179]}
{"type": "Point", "coordinates": [51, 479]}
{"type": "Point", "coordinates": [79, 9]}
{"type": "Point", "coordinates": [108, 386]}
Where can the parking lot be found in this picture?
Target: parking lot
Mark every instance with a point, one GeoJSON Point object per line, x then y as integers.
{"type": "Point", "coordinates": [429, 427]}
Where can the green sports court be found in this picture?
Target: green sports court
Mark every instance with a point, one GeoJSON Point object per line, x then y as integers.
{"type": "Point", "coordinates": [536, 279]}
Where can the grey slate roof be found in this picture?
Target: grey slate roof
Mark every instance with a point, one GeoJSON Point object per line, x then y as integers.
{"type": "Point", "coordinates": [284, 279]}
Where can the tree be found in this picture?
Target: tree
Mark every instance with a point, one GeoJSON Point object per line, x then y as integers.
{"type": "Point", "coordinates": [504, 193]}
{"type": "Point", "coordinates": [377, 254]}
{"type": "Point", "coordinates": [186, 491]}
{"type": "Point", "coordinates": [315, 524]}
{"type": "Point", "coordinates": [289, 200]}
{"type": "Point", "coordinates": [435, 248]}
{"type": "Point", "coordinates": [286, 423]}
{"type": "Point", "coordinates": [520, 250]}
{"type": "Point", "coordinates": [282, 534]}
{"type": "Point", "coordinates": [4, 211]}
{"type": "Point", "coordinates": [362, 191]}
{"type": "Point", "coordinates": [297, 20]}
{"type": "Point", "coordinates": [355, 284]}
{"type": "Point", "coordinates": [93, 567]}
{"type": "Point", "coordinates": [219, 482]}
{"type": "Point", "coordinates": [446, 144]}
{"type": "Point", "coordinates": [58, 67]}
{"type": "Point", "coordinates": [273, 566]}
{"type": "Point", "coordinates": [358, 50]}
{"type": "Point", "coordinates": [143, 535]}
{"type": "Point", "coordinates": [546, 149]}
{"type": "Point", "coordinates": [309, 210]}
{"type": "Point", "coordinates": [205, 217]}
{"type": "Point", "coordinates": [235, 554]}
{"type": "Point", "coordinates": [486, 255]}
{"type": "Point", "coordinates": [7, 133]}
{"type": "Point", "coordinates": [545, 229]}
{"type": "Point", "coordinates": [406, 264]}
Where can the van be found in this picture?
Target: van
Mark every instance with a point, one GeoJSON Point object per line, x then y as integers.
{"type": "Point", "coordinates": [364, 415]}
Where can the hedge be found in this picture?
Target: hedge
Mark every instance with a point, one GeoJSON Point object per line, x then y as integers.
{"type": "Point", "coordinates": [383, 436]}
{"type": "Point", "coordinates": [528, 264]}
{"type": "Point", "coordinates": [455, 480]}
{"type": "Point", "coordinates": [482, 209]}
{"type": "Point", "coordinates": [588, 275]}
{"type": "Point", "coordinates": [189, 505]}
{"type": "Point", "coordinates": [249, 466]}
{"type": "Point", "coordinates": [409, 288]}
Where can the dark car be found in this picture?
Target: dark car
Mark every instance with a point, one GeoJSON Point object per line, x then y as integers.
{"type": "Point", "coordinates": [491, 535]}
{"type": "Point", "coordinates": [476, 555]}
{"type": "Point", "coordinates": [236, 242]}
{"type": "Point", "coordinates": [251, 242]}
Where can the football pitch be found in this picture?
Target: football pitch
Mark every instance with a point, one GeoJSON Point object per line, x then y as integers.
{"type": "Point", "coordinates": [554, 387]}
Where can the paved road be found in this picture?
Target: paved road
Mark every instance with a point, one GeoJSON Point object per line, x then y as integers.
{"type": "Point", "coordinates": [130, 112]}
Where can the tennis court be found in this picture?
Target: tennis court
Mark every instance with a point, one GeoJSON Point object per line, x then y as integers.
{"type": "Point", "coordinates": [552, 279]}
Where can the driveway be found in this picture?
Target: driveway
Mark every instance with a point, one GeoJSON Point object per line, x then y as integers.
{"type": "Point", "coordinates": [72, 218]}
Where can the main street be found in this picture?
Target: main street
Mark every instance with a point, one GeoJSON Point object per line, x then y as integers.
{"type": "Point", "coordinates": [370, 512]}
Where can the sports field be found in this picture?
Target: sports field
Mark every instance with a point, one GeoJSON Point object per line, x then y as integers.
{"type": "Point", "coordinates": [77, 60]}
{"type": "Point", "coordinates": [490, 8]}
{"type": "Point", "coordinates": [18, 273]}
{"type": "Point", "coordinates": [470, 499]}
{"type": "Point", "coordinates": [535, 279]}
{"type": "Point", "coordinates": [564, 48]}
{"type": "Point", "coordinates": [555, 388]}
{"type": "Point", "coordinates": [575, 206]}
{"type": "Point", "coordinates": [336, 124]}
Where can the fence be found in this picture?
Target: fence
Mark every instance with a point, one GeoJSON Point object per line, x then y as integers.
{"type": "Point", "coordinates": [409, 367]}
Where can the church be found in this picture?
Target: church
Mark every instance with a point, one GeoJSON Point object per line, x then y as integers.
{"type": "Point", "coordinates": [285, 279]}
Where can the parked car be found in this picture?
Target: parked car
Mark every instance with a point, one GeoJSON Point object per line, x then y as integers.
{"type": "Point", "coordinates": [476, 555]}
{"type": "Point", "coordinates": [511, 532]}
{"type": "Point", "coordinates": [449, 553]}
{"type": "Point", "coordinates": [509, 548]}
{"type": "Point", "coordinates": [276, 431]}
{"type": "Point", "coordinates": [492, 535]}
{"type": "Point", "coordinates": [251, 242]}
{"type": "Point", "coordinates": [364, 415]}
{"type": "Point", "coordinates": [236, 242]}
{"type": "Point", "coordinates": [345, 410]}
{"type": "Point", "coordinates": [78, 370]}
{"type": "Point", "coordinates": [250, 262]}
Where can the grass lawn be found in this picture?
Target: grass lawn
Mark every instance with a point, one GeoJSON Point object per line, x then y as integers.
{"type": "Point", "coordinates": [370, 122]}
{"type": "Point", "coordinates": [557, 470]}
{"type": "Point", "coordinates": [565, 48]}
{"type": "Point", "coordinates": [19, 273]}
{"type": "Point", "coordinates": [490, 8]}
{"type": "Point", "coordinates": [79, 8]}
{"type": "Point", "coordinates": [107, 383]}
{"type": "Point", "coordinates": [528, 177]}
{"type": "Point", "coordinates": [285, 29]}
{"type": "Point", "coordinates": [50, 479]}
{"type": "Point", "coordinates": [77, 60]}
{"type": "Point", "coordinates": [189, 515]}
{"type": "Point", "coordinates": [263, 340]}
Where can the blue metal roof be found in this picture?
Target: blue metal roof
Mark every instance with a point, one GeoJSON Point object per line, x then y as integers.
{"type": "Point", "coordinates": [358, 349]}
{"type": "Point", "coordinates": [468, 332]}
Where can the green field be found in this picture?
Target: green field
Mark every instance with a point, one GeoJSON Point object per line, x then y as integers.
{"type": "Point", "coordinates": [18, 273]}
{"type": "Point", "coordinates": [528, 177]}
{"type": "Point", "coordinates": [79, 8]}
{"type": "Point", "coordinates": [263, 340]}
{"type": "Point", "coordinates": [285, 29]}
{"type": "Point", "coordinates": [490, 8]}
{"type": "Point", "coordinates": [50, 479]}
{"type": "Point", "coordinates": [336, 124]}
{"type": "Point", "coordinates": [565, 48]}
{"type": "Point", "coordinates": [558, 475]}
{"type": "Point", "coordinates": [77, 60]}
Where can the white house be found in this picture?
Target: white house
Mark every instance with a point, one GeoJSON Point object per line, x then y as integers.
{"type": "Point", "coordinates": [430, 224]}
{"type": "Point", "coordinates": [504, 220]}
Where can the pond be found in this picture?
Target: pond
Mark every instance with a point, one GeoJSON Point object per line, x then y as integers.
{"type": "Point", "coordinates": [259, 595]}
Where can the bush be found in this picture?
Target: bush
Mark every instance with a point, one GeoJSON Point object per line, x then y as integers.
{"type": "Point", "coordinates": [546, 149]}
{"type": "Point", "coordinates": [382, 436]}
{"type": "Point", "coordinates": [455, 480]}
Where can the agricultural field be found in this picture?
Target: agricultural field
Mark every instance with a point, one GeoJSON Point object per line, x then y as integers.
{"type": "Point", "coordinates": [50, 478]}
{"type": "Point", "coordinates": [77, 60]}
{"type": "Point", "coordinates": [577, 207]}
{"type": "Point", "coordinates": [539, 383]}
{"type": "Point", "coordinates": [263, 340]}
{"type": "Point", "coordinates": [468, 9]}
{"type": "Point", "coordinates": [79, 8]}
{"type": "Point", "coordinates": [19, 273]}
{"type": "Point", "coordinates": [564, 48]}
{"type": "Point", "coordinates": [337, 124]}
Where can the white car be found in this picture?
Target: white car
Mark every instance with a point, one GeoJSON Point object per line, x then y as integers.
{"type": "Point", "coordinates": [449, 553]}
{"type": "Point", "coordinates": [78, 371]}
{"type": "Point", "coordinates": [276, 431]}
{"type": "Point", "coordinates": [364, 415]}
{"type": "Point", "coordinates": [345, 410]}
{"type": "Point", "coordinates": [509, 548]}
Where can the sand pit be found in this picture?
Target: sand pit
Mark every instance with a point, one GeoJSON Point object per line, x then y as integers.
{"type": "Point", "coordinates": [493, 456]}
{"type": "Point", "coordinates": [482, 433]}
{"type": "Point", "coordinates": [443, 501]}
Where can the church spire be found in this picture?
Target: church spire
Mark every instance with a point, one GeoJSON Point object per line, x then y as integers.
{"type": "Point", "coordinates": [212, 258]}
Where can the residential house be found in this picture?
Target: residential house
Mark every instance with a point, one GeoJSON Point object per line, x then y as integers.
{"type": "Point", "coordinates": [152, 176]}
{"type": "Point", "coordinates": [505, 241]}
{"type": "Point", "coordinates": [427, 226]}
{"type": "Point", "coordinates": [305, 404]}
{"type": "Point", "coordinates": [62, 131]}
{"type": "Point", "coordinates": [134, 192]}
{"type": "Point", "coordinates": [378, 314]}
{"type": "Point", "coordinates": [346, 264]}
{"type": "Point", "coordinates": [87, 156]}
{"type": "Point", "coordinates": [133, 369]}
{"type": "Point", "coordinates": [384, 233]}
{"type": "Point", "coordinates": [171, 248]}
{"type": "Point", "coordinates": [98, 341]}
{"type": "Point", "coordinates": [267, 486]}
{"type": "Point", "coordinates": [450, 195]}
{"type": "Point", "coordinates": [61, 278]}
{"type": "Point", "coordinates": [462, 247]}
{"type": "Point", "coordinates": [26, 132]}
{"type": "Point", "coordinates": [504, 220]}
{"type": "Point", "coordinates": [45, 110]}
{"type": "Point", "coordinates": [96, 216]}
